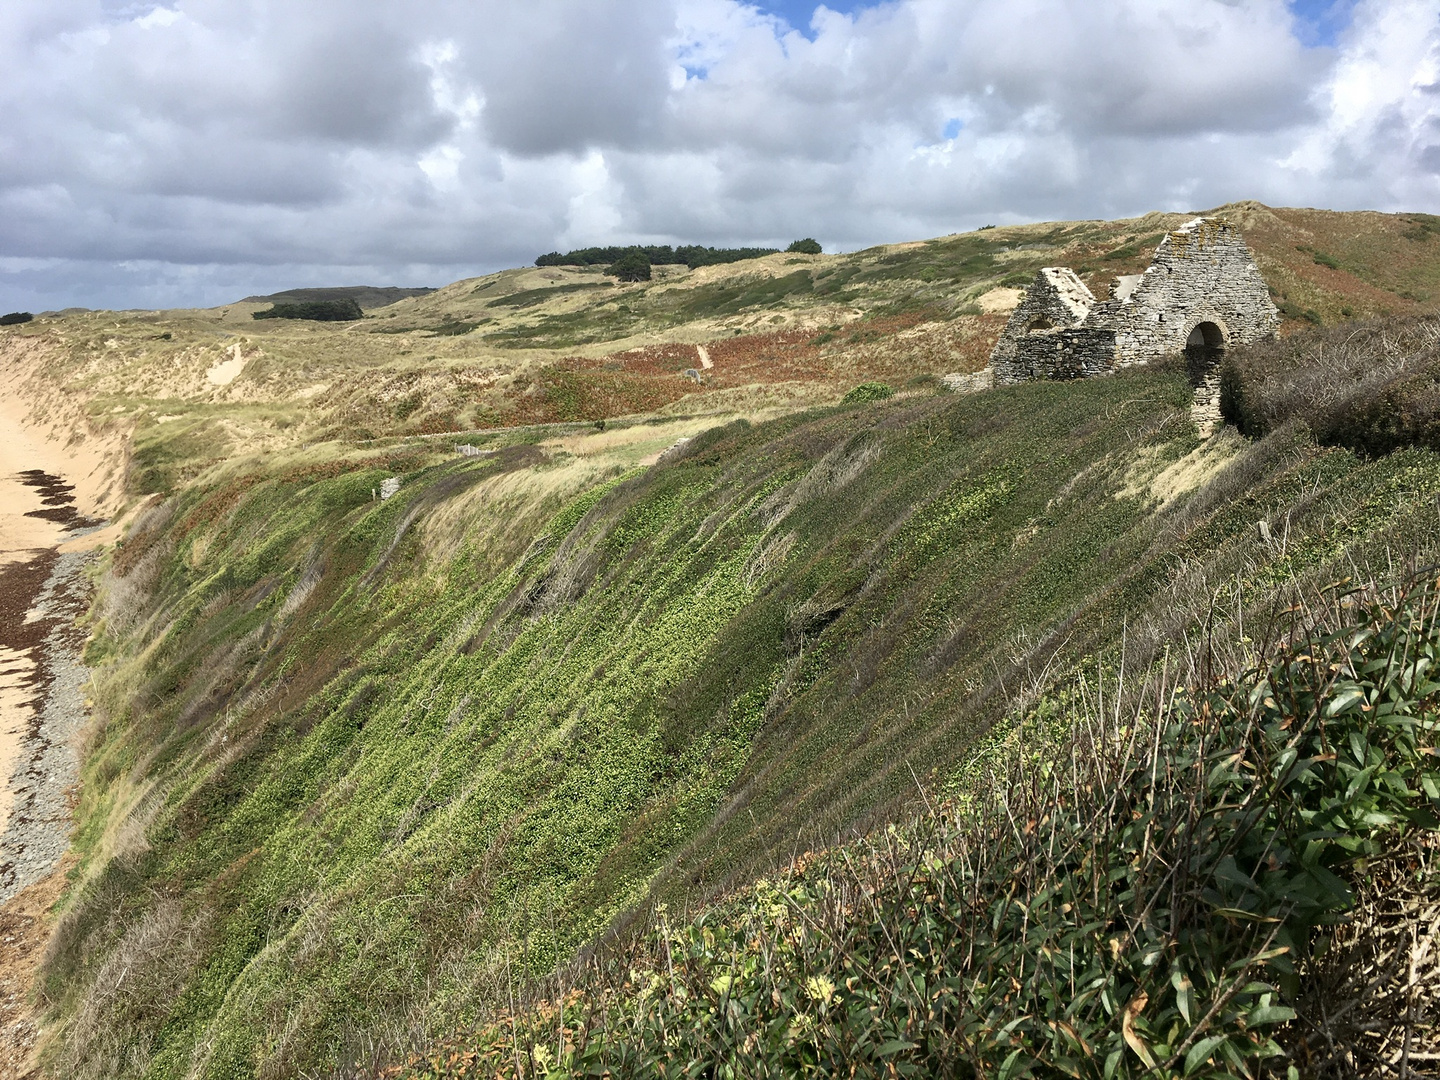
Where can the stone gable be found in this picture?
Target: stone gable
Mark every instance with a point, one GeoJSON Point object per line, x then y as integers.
{"type": "Point", "coordinates": [1056, 300]}
{"type": "Point", "coordinates": [1201, 293]}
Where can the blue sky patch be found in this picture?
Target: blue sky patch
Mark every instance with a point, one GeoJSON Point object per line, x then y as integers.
{"type": "Point", "coordinates": [798, 12]}
{"type": "Point", "coordinates": [953, 127]}
{"type": "Point", "coordinates": [1319, 23]}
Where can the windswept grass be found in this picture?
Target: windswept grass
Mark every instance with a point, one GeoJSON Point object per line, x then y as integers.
{"type": "Point", "coordinates": [1373, 387]}
{"type": "Point", "coordinates": [369, 756]}
{"type": "Point", "coordinates": [1155, 892]}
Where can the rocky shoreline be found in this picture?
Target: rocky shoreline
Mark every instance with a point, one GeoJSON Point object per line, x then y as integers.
{"type": "Point", "coordinates": [44, 773]}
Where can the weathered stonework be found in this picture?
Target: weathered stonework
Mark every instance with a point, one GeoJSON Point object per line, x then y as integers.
{"type": "Point", "coordinates": [1057, 299]}
{"type": "Point", "coordinates": [1201, 293]}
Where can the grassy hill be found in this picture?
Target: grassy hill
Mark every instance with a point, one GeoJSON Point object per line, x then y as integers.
{"type": "Point", "coordinates": [567, 344]}
{"type": "Point", "coordinates": [360, 759]}
{"type": "Point", "coordinates": [364, 767]}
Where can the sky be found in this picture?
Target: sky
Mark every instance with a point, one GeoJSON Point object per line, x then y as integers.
{"type": "Point", "coordinates": [193, 152]}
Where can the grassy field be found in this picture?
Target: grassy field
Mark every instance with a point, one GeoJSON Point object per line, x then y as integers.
{"type": "Point", "coordinates": [362, 768]}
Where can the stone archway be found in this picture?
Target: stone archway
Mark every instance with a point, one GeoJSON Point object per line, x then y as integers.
{"type": "Point", "coordinates": [1040, 322]}
{"type": "Point", "coordinates": [1204, 351]}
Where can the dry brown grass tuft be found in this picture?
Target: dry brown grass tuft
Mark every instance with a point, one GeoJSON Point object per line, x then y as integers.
{"type": "Point", "coordinates": [1372, 387]}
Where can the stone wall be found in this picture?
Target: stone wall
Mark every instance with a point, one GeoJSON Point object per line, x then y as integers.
{"type": "Point", "coordinates": [1201, 273]}
{"type": "Point", "coordinates": [1202, 288]}
{"type": "Point", "coordinates": [1056, 299]}
{"type": "Point", "coordinates": [1078, 352]}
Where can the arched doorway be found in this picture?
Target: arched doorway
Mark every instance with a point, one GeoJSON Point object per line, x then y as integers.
{"type": "Point", "coordinates": [1204, 349]}
{"type": "Point", "coordinates": [1039, 323]}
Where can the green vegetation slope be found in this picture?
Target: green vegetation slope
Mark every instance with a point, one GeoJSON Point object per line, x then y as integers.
{"type": "Point", "coordinates": [365, 764]}
{"type": "Point", "coordinates": [1209, 882]}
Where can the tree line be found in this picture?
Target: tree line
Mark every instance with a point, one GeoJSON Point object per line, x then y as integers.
{"type": "Point", "coordinates": [633, 262]}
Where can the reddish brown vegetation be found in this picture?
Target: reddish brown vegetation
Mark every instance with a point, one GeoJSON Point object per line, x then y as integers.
{"type": "Point", "coordinates": [894, 348]}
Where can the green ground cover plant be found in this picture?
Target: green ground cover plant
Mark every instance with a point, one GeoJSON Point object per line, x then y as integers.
{"type": "Point", "coordinates": [868, 391]}
{"type": "Point", "coordinates": [364, 766]}
{"type": "Point", "coordinates": [1154, 895]}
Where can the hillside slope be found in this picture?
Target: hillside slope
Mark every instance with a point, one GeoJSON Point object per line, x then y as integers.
{"type": "Point", "coordinates": [362, 759]}
{"type": "Point", "coordinates": [567, 344]}
{"type": "Point", "coordinates": [649, 612]}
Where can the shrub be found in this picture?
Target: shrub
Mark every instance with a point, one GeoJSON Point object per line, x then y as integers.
{"type": "Point", "coordinates": [316, 310]}
{"type": "Point", "coordinates": [15, 318]}
{"type": "Point", "coordinates": [1373, 387]}
{"type": "Point", "coordinates": [804, 247]}
{"type": "Point", "coordinates": [632, 266]}
{"type": "Point", "coordinates": [868, 391]}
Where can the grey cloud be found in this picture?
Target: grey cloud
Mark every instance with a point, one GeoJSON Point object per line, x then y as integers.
{"type": "Point", "coordinates": [561, 75]}
{"type": "Point", "coordinates": [255, 145]}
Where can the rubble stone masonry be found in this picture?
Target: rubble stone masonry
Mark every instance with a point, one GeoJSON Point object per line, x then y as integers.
{"type": "Point", "coordinates": [1201, 293]}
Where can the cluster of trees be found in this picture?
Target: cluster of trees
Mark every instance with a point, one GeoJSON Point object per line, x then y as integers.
{"type": "Point", "coordinates": [633, 263]}
{"type": "Point", "coordinates": [691, 255]}
{"type": "Point", "coordinates": [15, 318]}
{"type": "Point", "coordinates": [346, 310]}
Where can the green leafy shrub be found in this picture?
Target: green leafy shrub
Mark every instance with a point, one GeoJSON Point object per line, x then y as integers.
{"type": "Point", "coordinates": [1159, 901]}
{"type": "Point", "coordinates": [632, 266]}
{"type": "Point", "coordinates": [1372, 387]}
{"type": "Point", "coordinates": [457, 327]}
{"type": "Point", "coordinates": [807, 246]}
{"type": "Point", "coordinates": [15, 318]}
{"type": "Point", "coordinates": [868, 391]}
{"type": "Point", "coordinates": [346, 310]}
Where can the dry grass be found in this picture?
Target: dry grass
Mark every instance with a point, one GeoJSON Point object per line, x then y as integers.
{"type": "Point", "coordinates": [580, 348]}
{"type": "Point", "coordinates": [1372, 387]}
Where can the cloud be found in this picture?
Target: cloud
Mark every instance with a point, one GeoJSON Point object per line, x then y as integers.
{"type": "Point", "coordinates": [170, 154]}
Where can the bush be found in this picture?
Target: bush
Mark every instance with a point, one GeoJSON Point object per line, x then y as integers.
{"type": "Point", "coordinates": [316, 310]}
{"type": "Point", "coordinates": [15, 318]}
{"type": "Point", "coordinates": [804, 247]}
{"type": "Point", "coordinates": [1371, 387]}
{"type": "Point", "coordinates": [632, 266]}
{"type": "Point", "coordinates": [868, 391]}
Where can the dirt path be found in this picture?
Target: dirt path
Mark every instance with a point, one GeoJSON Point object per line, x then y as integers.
{"type": "Point", "coordinates": [704, 354]}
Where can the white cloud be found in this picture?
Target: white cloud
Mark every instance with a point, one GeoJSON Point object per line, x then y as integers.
{"type": "Point", "coordinates": [203, 146]}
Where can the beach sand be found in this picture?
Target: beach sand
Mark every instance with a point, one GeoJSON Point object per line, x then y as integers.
{"type": "Point", "coordinates": [55, 490]}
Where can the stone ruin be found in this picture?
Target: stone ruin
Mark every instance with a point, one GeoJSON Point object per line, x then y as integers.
{"type": "Point", "coordinates": [1201, 293]}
